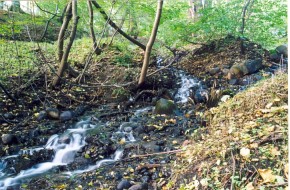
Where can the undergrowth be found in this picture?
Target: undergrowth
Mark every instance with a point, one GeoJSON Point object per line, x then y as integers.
{"type": "Point", "coordinates": [245, 143]}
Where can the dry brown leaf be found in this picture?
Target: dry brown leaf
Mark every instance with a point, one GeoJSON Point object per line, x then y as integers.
{"type": "Point", "coordinates": [254, 145]}
{"type": "Point", "coordinates": [267, 175]}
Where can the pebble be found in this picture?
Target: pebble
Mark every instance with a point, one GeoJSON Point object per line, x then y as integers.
{"type": "Point", "coordinates": [52, 113]}
{"type": "Point", "coordinates": [66, 115]}
{"type": "Point", "coordinates": [8, 139]}
{"type": "Point", "coordinates": [143, 186]}
{"type": "Point", "coordinates": [124, 184]}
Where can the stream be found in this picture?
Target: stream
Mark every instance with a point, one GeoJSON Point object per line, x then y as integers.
{"type": "Point", "coordinates": [65, 146]}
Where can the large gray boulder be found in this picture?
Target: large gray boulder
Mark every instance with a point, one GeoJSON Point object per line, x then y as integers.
{"type": "Point", "coordinates": [282, 50]}
{"type": "Point", "coordinates": [248, 67]}
{"type": "Point", "coordinates": [164, 106]}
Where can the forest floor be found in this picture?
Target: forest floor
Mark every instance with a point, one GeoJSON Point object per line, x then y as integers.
{"type": "Point", "coordinates": [245, 137]}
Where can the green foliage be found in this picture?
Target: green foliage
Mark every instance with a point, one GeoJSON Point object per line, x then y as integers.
{"type": "Point", "coordinates": [266, 22]}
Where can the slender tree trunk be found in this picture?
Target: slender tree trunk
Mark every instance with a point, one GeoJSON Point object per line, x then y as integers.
{"type": "Point", "coordinates": [64, 64]}
{"type": "Point", "coordinates": [97, 50]}
{"type": "Point", "coordinates": [243, 25]}
{"type": "Point", "coordinates": [105, 16]}
{"type": "Point", "coordinates": [66, 19]}
{"type": "Point", "coordinates": [150, 44]}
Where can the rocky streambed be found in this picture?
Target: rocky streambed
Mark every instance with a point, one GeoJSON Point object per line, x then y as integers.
{"type": "Point", "coordinates": [110, 149]}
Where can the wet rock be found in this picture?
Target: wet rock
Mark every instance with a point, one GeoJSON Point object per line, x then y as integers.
{"type": "Point", "coordinates": [151, 147]}
{"type": "Point", "coordinates": [201, 96]}
{"type": "Point", "coordinates": [52, 113]}
{"type": "Point", "coordinates": [225, 71]}
{"type": "Point", "coordinates": [64, 139]}
{"type": "Point", "coordinates": [9, 139]}
{"type": "Point", "coordinates": [143, 186]}
{"type": "Point", "coordinates": [248, 67]}
{"type": "Point", "coordinates": [124, 184]}
{"type": "Point", "coordinates": [9, 116]}
{"type": "Point", "coordinates": [164, 106]}
{"type": "Point", "coordinates": [129, 125]}
{"type": "Point", "coordinates": [139, 130]}
{"type": "Point", "coordinates": [214, 71]}
{"type": "Point", "coordinates": [233, 81]}
{"type": "Point", "coordinates": [79, 163]}
{"type": "Point", "coordinates": [42, 115]}
{"type": "Point", "coordinates": [66, 115]}
{"type": "Point", "coordinates": [145, 179]}
{"type": "Point", "coordinates": [80, 110]}
{"type": "Point", "coordinates": [275, 57]}
{"type": "Point", "coordinates": [282, 50]}
{"type": "Point", "coordinates": [34, 133]}
{"type": "Point", "coordinates": [2, 152]}
{"type": "Point", "coordinates": [127, 129]}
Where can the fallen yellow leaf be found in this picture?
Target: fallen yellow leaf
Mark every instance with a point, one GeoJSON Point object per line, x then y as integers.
{"type": "Point", "coordinates": [250, 186]}
{"type": "Point", "coordinates": [286, 170]}
{"type": "Point", "coordinates": [267, 175]}
{"type": "Point", "coordinates": [254, 145]}
{"type": "Point", "coordinates": [275, 152]}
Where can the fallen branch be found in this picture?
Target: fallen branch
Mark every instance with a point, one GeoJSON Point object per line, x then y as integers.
{"type": "Point", "coordinates": [158, 153]}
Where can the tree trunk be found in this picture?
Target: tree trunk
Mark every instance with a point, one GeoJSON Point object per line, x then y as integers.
{"type": "Point", "coordinates": [97, 50]}
{"type": "Point", "coordinates": [243, 25]}
{"type": "Point", "coordinates": [64, 64]}
{"type": "Point", "coordinates": [66, 19]}
{"type": "Point", "coordinates": [105, 16]}
{"type": "Point", "coordinates": [150, 44]}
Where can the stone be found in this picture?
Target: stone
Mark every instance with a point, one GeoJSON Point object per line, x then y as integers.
{"type": "Point", "coordinates": [124, 184]}
{"type": "Point", "coordinates": [64, 139]}
{"type": "Point", "coordinates": [132, 125]}
{"type": "Point", "coordinates": [233, 81]}
{"type": "Point", "coordinates": [42, 115]}
{"type": "Point", "coordinates": [66, 115]}
{"type": "Point", "coordinates": [143, 186]}
{"type": "Point", "coordinates": [164, 106]}
{"type": "Point", "coordinates": [127, 129]}
{"type": "Point", "coordinates": [275, 57]}
{"type": "Point", "coordinates": [225, 98]}
{"type": "Point", "coordinates": [214, 71]}
{"type": "Point", "coordinates": [9, 139]}
{"type": "Point", "coordinates": [201, 96]}
{"type": "Point", "coordinates": [225, 71]}
{"type": "Point", "coordinates": [282, 50]}
{"type": "Point", "coordinates": [248, 67]}
{"type": "Point", "coordinates": [151, 147]}
{"type": "Point", "coordinates": [8, 116]}
{"type": "Point", "coordinates": [52, 113]}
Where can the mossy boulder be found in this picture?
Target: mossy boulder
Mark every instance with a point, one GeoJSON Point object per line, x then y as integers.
{"type": "Point", "coordinates": [164, 106]}
{"type": "Point", "coordinates": [247, 67]}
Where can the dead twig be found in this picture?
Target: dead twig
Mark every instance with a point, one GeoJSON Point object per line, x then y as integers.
{"type": "Point", "coordinates": [158, 153]}
{"type": "Point", "coordinates": [234, 170]}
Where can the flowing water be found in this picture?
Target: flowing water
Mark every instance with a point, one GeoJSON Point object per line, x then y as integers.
{"type": "Point", "coordinates": [66, 145]}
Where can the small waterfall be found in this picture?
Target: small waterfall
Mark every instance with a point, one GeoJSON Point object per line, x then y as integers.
{"type": "Point", "coordinates": [186, 83]}
{"type": "Point", "coordinates": [65, 147]}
